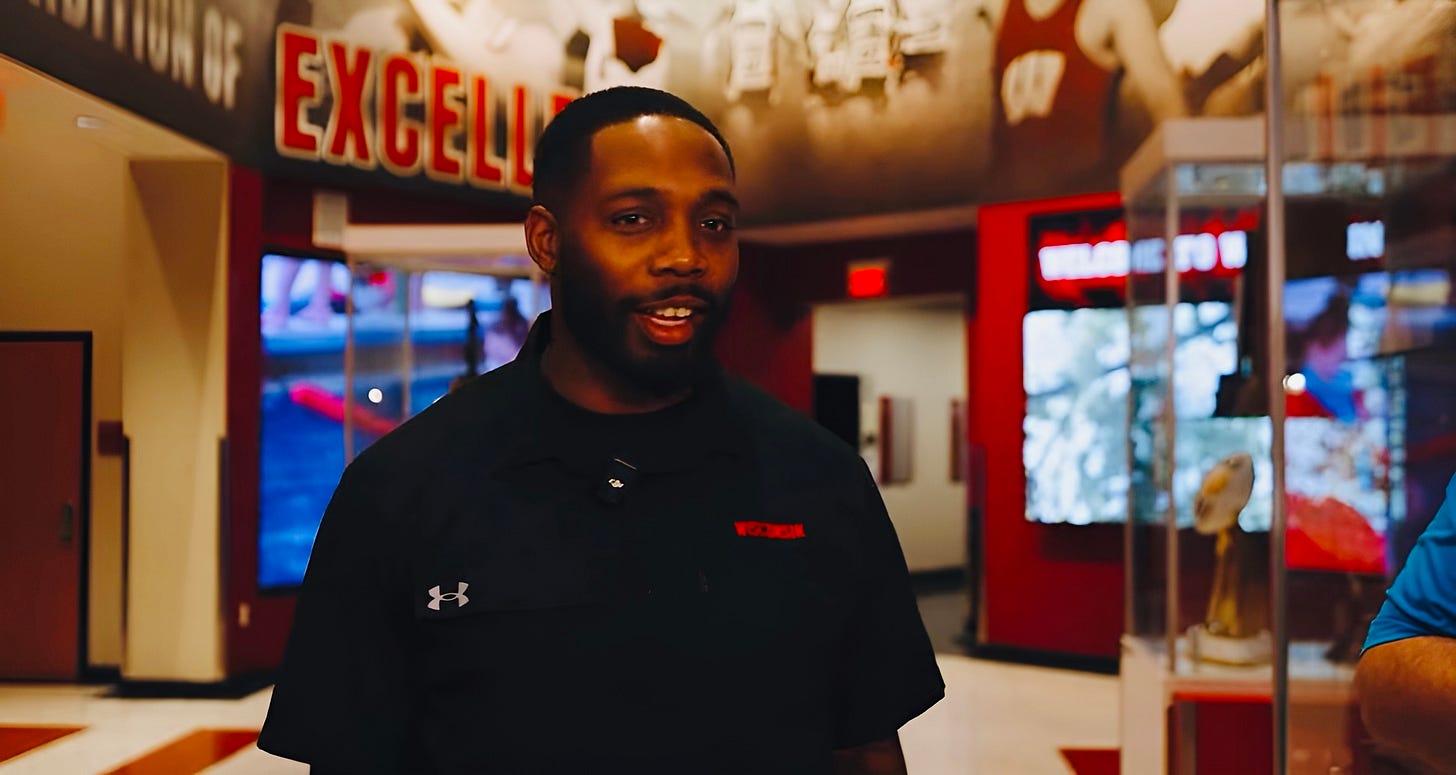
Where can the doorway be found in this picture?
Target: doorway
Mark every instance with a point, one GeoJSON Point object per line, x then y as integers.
{"type": "Point", "coordinates": [45, 402]}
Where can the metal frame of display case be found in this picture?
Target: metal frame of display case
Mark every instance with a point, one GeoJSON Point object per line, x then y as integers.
{"type": "Point", "coordinates": [1185, 162]}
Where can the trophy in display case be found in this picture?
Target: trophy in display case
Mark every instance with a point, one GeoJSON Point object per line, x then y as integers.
{"type": "Point", "coordinates": [1234, 629]}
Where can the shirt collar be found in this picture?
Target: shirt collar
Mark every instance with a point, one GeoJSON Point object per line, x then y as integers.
{"type": "Point", "coordinates": [689, 434]}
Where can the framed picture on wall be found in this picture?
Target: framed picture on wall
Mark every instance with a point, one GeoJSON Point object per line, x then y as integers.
{"type": "Point", "coordinates": [897, 424]}
{"type": "Point", "coordinates": [959, 459]}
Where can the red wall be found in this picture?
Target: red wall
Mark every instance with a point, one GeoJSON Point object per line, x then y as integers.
{"type": "Point", "coordinates": [257, 643]}
{"type": "Point", "coordinates": [768, 339]}
{"type": "Point", "coordinates": [1055, 588]}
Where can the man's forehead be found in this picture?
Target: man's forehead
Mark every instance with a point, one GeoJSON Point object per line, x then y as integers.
{"type": "Point", "coordinates": [649, 145]}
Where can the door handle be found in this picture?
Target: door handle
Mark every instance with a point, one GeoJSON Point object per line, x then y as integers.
{"type": "Point", "coordinates": [68, 523]}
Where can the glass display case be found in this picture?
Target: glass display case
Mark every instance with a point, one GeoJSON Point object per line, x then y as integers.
{"type": "Point", "coordinates": [353, 348]}
{"type": "Point", "coordinates": [1195, 638]}
{"type": "Point", "coordinates": [1263, 529]}
{"type": "Point", "coordinates": [418, 324]}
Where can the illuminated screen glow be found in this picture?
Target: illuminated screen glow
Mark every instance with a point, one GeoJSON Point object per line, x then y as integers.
{"type": "Point", "coordinates": [1077, 381]}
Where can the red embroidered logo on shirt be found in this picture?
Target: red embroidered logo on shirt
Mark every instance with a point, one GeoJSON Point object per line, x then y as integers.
{"type": "Point", "coordinates": [777, 531]}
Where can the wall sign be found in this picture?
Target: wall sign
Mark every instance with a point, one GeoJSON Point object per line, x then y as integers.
{"type": "Point", "coordinates": [1083, 259]}
{"type": "Point", "coordinates": [188, 64]}
{"type": "Point", "coordinates": [403, 113]}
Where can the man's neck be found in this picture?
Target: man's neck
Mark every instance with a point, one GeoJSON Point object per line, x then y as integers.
{"type": "Point", "coordinates": [589, 384]}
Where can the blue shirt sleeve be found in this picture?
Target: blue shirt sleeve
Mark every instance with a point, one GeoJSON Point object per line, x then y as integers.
{"type": "Point", "coordinates": [1422, 600]}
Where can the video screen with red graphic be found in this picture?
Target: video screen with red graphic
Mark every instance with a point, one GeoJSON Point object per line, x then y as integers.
{"type": "Point", "coordinates": [1083, 259]}
{"type": "Point", "coordinates": [1076, 346]}
{"type": "Point", "coordinates": [1343, 419]}
{"type": "Point", "coordinates": [305, 393]}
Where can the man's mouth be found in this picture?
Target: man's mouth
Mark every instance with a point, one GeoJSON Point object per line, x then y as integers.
{"type": "Point", "coordinates": [671, 322]}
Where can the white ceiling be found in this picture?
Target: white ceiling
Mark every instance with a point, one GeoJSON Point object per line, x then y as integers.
{"type": "Point", "coordinates": [37, 107]}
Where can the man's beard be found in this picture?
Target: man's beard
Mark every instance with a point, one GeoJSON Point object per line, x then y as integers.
{"type": "Point", "coordinates": [602, 330]}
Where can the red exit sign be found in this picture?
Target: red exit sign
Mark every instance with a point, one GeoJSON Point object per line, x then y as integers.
{"type": "Point", "coordinates": [869, 279]}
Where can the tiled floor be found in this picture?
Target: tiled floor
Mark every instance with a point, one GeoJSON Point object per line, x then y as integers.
{"type": "Point", "coordinates": [996, 719]}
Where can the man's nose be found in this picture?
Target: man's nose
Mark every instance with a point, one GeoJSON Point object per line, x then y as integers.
{"type": "Point", "coordinates": [680, 253]}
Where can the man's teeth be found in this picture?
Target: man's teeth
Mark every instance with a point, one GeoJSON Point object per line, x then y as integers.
{"type": "Point", "coordinates": [672, 312]}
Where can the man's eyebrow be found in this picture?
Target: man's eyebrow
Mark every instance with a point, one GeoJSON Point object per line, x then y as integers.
{"type": "Point", "coordinates": [641, 192]}
{"type": "Point", "coordinates": [722, 195]}
{"type": "Point", "coordinates": [648, 192]}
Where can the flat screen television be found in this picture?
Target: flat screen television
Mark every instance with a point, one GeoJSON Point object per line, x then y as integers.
{"type": "Point", "coordinates": [301, 449]}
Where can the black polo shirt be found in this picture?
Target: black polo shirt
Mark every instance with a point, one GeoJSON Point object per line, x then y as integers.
{"type": "Point", "coordinates": [509, 584]}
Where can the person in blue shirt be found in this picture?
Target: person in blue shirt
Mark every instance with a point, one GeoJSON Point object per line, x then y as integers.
{"type": "Point", "coordinates": [1406, 678]}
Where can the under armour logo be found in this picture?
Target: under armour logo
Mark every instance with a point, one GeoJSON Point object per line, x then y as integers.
{"type": "Point", "coordinates": [458, 596]}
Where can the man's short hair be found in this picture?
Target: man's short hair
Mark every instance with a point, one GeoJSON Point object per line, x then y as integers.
{"type": "Point", "coordinates": [564, 147]}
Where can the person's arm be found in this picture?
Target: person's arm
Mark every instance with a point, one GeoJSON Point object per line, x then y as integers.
{"type": "Point", "coordinates": [440, 25]}
{"type": "Point", "coordinates": [989, 13]}
{"type": "Point", "coordinates": [1407, 692]}
{"type": "Point", "coordinates": [881, 757]}
{"type": "Point", "coordinates": [1135, 41]}
{"type": "Point", "coordinates": [1243, 52]}
{"type": "Point", "coordinates": [1406, 679]}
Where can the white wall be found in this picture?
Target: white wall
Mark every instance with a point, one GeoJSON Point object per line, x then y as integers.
{"type": "Point", "coordinates": [914, 350]}
{"type": "Point", "coordinates": [173, 380]}
{"type": "Point", "coordinates": [121, 231]}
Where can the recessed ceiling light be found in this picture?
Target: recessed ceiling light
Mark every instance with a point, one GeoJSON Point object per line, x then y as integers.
{"type": "Point", "coordinates": [89, 122]}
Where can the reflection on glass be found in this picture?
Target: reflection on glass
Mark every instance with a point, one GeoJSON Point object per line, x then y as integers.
{"type": "Point", "coordinates": [459, 324]}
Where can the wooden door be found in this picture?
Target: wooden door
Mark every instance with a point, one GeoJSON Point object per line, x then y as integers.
{"type": "Point", "coordinates": [43, 448]}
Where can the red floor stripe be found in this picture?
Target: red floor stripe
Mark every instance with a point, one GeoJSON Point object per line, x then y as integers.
{"type": "Point", "coordinates": [1093, 761]}
{"type": "Point", "coordinates": [190, 754]}
{"type": "Point", "coordinates": [17, 740]}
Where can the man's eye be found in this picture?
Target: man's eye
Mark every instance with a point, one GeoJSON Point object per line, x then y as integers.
{"type": "Point", "coordinates": [718, 224]}
{"type": "Point", "coordinates": [629, 219]}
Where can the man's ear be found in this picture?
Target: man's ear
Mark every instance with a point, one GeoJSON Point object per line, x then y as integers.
{"type": "Point", "coordinates": [543, 238]}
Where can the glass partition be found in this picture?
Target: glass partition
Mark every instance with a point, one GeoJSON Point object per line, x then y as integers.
{"type": "Point", "coordinates": [1199, 634]}
{"type": "Point", "coordinates": [352, 349]}
{"type": "Point", "coordinates": [383, 304]}
{"type": "Point", "coordinates": [1266, 525]}
{"type": "Point", "coordinates": [1369, 328]}
{"type": "Point", "coordinates": [420, 328]}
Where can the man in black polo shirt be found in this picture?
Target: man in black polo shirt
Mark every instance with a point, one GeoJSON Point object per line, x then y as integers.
{"type": "Point", "coordinates": [607, 556]}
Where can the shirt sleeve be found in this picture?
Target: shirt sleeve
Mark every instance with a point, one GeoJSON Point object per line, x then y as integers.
{"type": "Point", "coordinates": [887, 673]}
{"type": "Point", "coordinates": [1422, 600]}
{"type": "Point", "coordinates": [341, 702]}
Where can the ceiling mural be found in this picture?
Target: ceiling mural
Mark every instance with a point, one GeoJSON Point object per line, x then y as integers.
{"type": "Point", "coordinates": [834, 108]}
